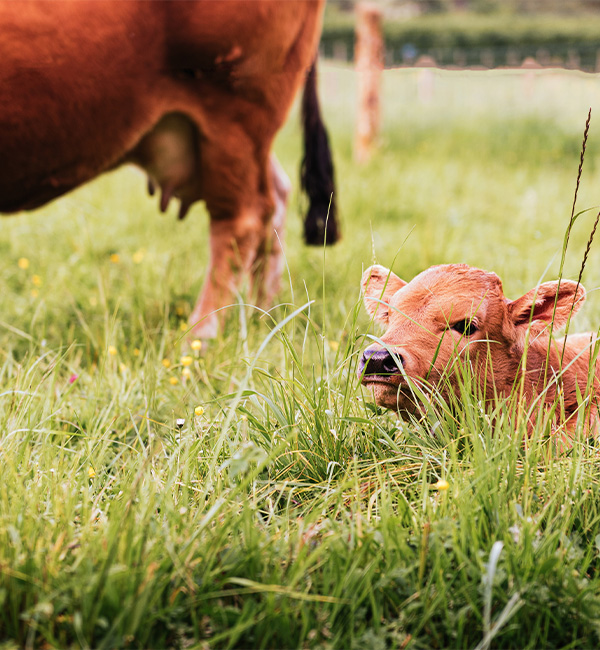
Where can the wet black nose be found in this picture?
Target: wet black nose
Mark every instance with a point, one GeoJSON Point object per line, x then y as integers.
{"type": "Point", "coordinates": [379, 362]}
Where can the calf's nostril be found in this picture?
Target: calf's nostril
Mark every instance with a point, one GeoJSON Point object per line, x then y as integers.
{"type": "Point", "coordinates": [379, 362]}
{"type": "Point", "coordinates": [390, 365]}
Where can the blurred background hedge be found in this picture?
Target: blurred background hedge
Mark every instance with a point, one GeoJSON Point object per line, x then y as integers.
{"type": "Point", "coordinates": [488, 33]}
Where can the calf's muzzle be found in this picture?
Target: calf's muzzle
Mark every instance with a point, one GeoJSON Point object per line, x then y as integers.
{"type": "Point", "coordinates": [379, 362]}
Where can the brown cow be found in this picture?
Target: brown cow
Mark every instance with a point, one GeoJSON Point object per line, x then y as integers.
{"type": "Point", "coordinates": [455, 312]}
{"type": "Point", "coordinates": [192, 91]}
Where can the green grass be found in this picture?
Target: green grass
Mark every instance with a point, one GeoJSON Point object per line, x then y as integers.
{"type": "Point", "coordinates": [290, 512]}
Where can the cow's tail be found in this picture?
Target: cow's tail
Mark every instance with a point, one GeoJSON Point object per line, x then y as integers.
{"type": "Point", "coordinates": [317, 179]}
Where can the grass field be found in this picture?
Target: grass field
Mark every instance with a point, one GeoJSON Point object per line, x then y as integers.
{"type": "Point", "coordinates": [286, 511]}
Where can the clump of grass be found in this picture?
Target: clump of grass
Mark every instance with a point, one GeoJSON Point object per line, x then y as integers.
{"type": "Point", "coordinates": [286, 513]}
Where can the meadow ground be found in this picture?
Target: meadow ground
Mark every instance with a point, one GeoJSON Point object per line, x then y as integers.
{"type": "Point", "coordinates": [286, 511]}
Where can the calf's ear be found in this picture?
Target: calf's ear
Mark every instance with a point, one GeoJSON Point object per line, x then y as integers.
{"type": "Point", "coordinates": [537, 306]}
{"type": "Point", "coordinates": [378, 286]}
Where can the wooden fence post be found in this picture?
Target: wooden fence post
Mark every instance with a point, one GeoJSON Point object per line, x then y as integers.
{"type": "Point", "coordinates": [369, 64]}
{"type": "Point", "coordinates": [425, 79]}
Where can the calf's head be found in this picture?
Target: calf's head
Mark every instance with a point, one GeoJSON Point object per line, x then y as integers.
{"type": "Point", "coordinates": [455, 312]}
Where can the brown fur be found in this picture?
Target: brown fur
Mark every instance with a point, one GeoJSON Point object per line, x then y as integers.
{"type": "Point", "coordinates": [510, 340]}
{"type": "Point", "coordinates": [194, 92]}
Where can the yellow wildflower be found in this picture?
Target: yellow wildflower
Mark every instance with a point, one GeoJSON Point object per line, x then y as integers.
{"type": "Point", "coordinates": [37, 280]}
{"type": "Point", "coordinates": [136, 352]}
{"type": "Point", "coordinates": [186, 361]}
{"type": "Point", "coordinates": [166, 363]}
{"type": "Point", "coordinates": [173, 381]}
{"type": "Point", "coordinates": [138, 256]}
{"type": "Point", "coordinates": [442, 485]}
{"type": "Point", "coordinates": [23, 263]}
{"type": "Point", "coordinates": [186, 373]}
{"type": "Point", "coordinates": [115, 258]}
{"type": "Point", "coordinates": [199, 411]}
{"type": "Point", "coordinates": [196, 345]}
{"type": "Point", "coordinates": [112, 350]}
{"type": "Point", "coordinates": [91, 472]}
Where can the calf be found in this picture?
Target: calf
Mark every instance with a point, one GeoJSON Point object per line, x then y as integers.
{"type": "Point", "coordinates": [454, 313]}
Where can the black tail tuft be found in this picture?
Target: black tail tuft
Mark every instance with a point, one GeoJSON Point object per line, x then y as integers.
{"type": "Point", "coordinates": [316, 176]}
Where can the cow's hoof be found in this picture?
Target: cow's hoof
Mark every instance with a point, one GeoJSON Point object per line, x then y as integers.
{"type": "Point", "coordinates": [203, 328]}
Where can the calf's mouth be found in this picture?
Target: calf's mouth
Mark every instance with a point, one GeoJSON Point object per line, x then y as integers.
{"type": "Point", "coordinates": [381, 372]}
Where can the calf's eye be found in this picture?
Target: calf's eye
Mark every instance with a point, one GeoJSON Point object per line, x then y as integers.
{"type": "Point", "coordinates": [465, 327]}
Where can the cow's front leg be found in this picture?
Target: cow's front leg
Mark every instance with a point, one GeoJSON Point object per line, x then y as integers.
{"type": "Point", "coordinates": [234, 246]}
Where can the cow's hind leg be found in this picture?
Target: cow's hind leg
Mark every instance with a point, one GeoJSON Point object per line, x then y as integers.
{"type": "Point", "coordinates": [246, 196]}
{"type": "Point", "coordinates": [273, 258]}
{"type": "Point", "coordinates": [234, 243]}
